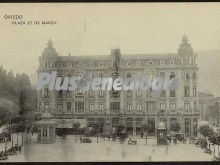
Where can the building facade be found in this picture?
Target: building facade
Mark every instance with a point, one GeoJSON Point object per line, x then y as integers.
{"type": "Point", "coordinates": [131, 108]}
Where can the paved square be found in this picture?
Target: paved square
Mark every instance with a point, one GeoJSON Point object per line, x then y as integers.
{"type": "Point", "coordinates": [68, 150]}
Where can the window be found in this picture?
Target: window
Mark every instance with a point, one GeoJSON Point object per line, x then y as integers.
{"type": "Point", "coordinates": [186, 91]}
{"type": "Point", "coordinates": [129, 93]}
{"type": "Point", "coordinates": [79, 93]}
{"type": "Point", "coordinates": [91, 93]}
{"type": "Point", "coordinates": [115, 106]}
{"type": "Point", "coordinates": [46, 105]}
{"type": "Point", "coordinates": [91, 64]}
{"type": "Point", "coordinates": [91, 106]}
{"type": "Point", "coordinates": [172, 62]}
{"type": "Point", "coordinates": [139, 107]}
{"type": "Point", "coordinates": [101, 93]}
{"type": "Point", "coordinates": [194, 104]}
{"type": "Point", "coordinates": [69, 75]}
{"type": "Point", "coordinates": [138, 93]}
{"type": "Point", "coordinates": [194, 75]}
{"type": "Point", "coordinates": [40, 106]}
{"type": "Point", "coordinates": [68, 106]}
{"type": "Point", "coordinates": [101, 106]}
{"type": "Point", "coordinates": [163, 93]}
{"type": "Point", "coordinates": [187, 105]}
{"type": "Point", "coordinates": [172, 75]}
{"type": "Point", "coordinates": [162, 74]}
{"type": "Point", "coordinates": [129, 75]}
{"type": "Point", "coordinates": [151, 105]}
{"type": "Point", "coordinates": [101, 75]}
{"type": "Point", "coordinates": [161, 62]}
{"type": "Point", "coordinates": [60, 93]}
{"type": "Point", "coordinates": [194, 92]}
{"type": "Point", "coordinates": [100, 64]}
{"type": "Point", "coordinates": [69, 94]}
{"type": "Point", "coordinates": [172, 93]}
{"type": "Point", "coordinates": [129, 63]}
{"type": "Point", "coordinates": [79, 106]}
{"type": "Point", "coordinates": [40, 93]}
{"type": "Point", "coordinates": [162, 106]}
{"type": "Point", "coordinates": [150, 63]}
{"type": "Point", "coordinates": [128, 107]}
{"type": "Point", "coordinates": [187, 76]}
{"type": "Point", "coordinates": [172, 106]}
{"type": "Point", "coordinates": [46, 92]}
{"type": "Point", "coordinates": [59, 105]}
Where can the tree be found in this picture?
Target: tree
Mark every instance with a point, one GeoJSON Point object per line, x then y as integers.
{"type": "Point", "coordinates": [175, 126]}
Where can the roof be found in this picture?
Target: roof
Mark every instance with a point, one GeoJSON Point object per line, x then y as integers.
{"type": "Point", "coordinates": [161, 125]}
{"type": "Point", "coordinates": [123, 56]}
{"type": "Point", "coordinates": [46, 122]}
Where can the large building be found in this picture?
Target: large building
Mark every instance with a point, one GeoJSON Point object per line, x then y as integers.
{"type": "Point", "coordinates": [133, 109]}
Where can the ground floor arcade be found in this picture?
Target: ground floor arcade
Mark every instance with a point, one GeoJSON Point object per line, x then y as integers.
{"type": "Point", "coordinates": [135, 123]}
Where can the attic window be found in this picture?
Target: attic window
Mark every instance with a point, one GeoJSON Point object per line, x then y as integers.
{"type": "Point", "coordinates": [162, 62]}
{"type": "Point", "coordinates": [80, 64]}
{"type": "Point", "coordinates": [172, 62]}
{"type": "Point", "coordinates": [101, 64]}
{"type": "Point", "coordinates": [91, 64]}
{"type": "Point", "coordinates": [150, 63]}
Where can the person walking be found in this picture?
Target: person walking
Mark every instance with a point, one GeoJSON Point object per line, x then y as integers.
{"type": "Point", "coordinates": [142, 135]}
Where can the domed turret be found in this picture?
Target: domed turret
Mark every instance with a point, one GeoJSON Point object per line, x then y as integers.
{"type": "Point", "coordinates": [185, 48]}
{"type": "Point", "coordinates": [49, 51]}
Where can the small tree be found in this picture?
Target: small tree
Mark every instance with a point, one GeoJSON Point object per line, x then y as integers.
{"type": "Point", "coordinates": [175, 126]}
{"type": "Point", "coordinates": [76, 128]}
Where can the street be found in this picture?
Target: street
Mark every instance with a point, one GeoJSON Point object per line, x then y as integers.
{"type": "Point", "coordinates": [68, 150]}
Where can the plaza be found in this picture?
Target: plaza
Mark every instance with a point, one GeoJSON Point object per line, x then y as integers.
{"type": "Point", "coordinates": [70, 150]}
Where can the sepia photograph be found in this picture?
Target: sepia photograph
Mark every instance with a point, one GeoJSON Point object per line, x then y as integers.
{"type": "Point", "coordinates": [109, 82]}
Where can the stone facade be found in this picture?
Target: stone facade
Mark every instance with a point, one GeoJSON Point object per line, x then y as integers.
{"type": "Point", "coordinates": [134, 109]}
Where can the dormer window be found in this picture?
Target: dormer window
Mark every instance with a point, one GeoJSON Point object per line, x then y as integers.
{"type": "Point", "coordinates": [129, 63]}
{"type": "Point", "coordinates": [172, 62]}
{"type": "Point", "coordinates": [92, 64]}
{"type": "Point", "coordinates": [162, 62]}
{"type": "Point", "coordinates": [69, 64]}
{"type": "Point", "coordinates": [101, 64]}
{"type": "Point", "coordinates": [80, 64]}
{"type": "Point", "coordinates": [150, 62]}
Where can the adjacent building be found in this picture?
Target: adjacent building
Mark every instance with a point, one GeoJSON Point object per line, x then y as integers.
{"type": "Point", "coordinates": [131, 108]}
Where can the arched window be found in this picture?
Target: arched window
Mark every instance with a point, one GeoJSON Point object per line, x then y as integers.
{"type": "Point", "coordinates": [129, 75]}
{"type": "Point", "coordinates": [150, 62]}
{"type": "Point", "coordinates": [187, 76]}
{"type": "Point", "coordinates": [194, 75]}
{"type": "Point", "coordinates": [172, 75]}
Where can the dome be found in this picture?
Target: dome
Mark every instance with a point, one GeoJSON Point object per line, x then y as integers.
{"type": "Point", "coordinates": [161, 125]}
{"type": "Point", "coordinates": [49, 51]}
{"type": "Point", "coordinates": [185, 47]}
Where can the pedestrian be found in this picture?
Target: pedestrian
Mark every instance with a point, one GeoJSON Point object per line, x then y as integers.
{"type": "Point", "coordinates": [166, 150]}
{"type": "Point", "coordinates": [153, 148]}
{"type": "Point", "coordinates": [142, 135]}
{"type": "Point", "coordinates": [81, 139]}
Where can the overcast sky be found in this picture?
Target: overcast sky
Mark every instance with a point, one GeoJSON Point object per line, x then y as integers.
{"type": "Point", "coordinates": [84, 29]}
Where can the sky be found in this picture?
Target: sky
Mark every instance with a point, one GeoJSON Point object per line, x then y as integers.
{"type": "Point", "coordinates": [93, 29]}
